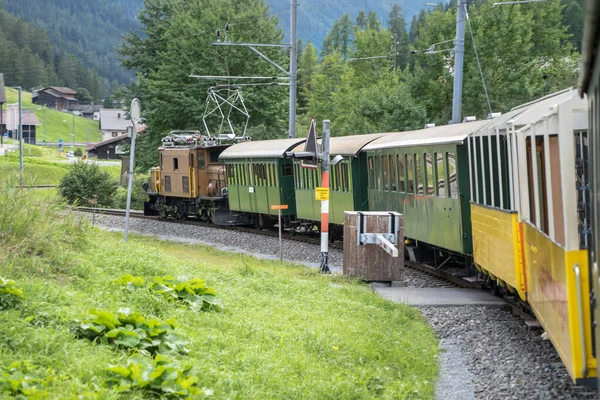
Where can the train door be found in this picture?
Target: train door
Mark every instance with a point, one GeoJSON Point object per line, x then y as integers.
{"type": "Point", "coordinates": [202, 183]}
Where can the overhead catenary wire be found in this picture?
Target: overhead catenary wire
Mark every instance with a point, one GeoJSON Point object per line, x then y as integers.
{"type": "Point", "coordinates": [487, 97]}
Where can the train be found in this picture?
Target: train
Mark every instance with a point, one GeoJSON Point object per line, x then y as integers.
{"type": "Point", "coordinates": [513, 200]}
{"type": "Point", "coordinates": [589, 85]}
{"type": "Point", "coordinates": [504, 198]}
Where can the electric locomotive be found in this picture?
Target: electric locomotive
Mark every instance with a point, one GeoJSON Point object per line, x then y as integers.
{"type": "Point", "coordinates": [190, 180]}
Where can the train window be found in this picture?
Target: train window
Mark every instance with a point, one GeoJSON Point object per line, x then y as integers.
{"type": "Point", "coordinates": [338, 178]}
{"type": "Point", "coordinates": [175, 164]}
{"type": "Point", "coordinates": [287, 170]}
{"type": "Point", "coordinates": [386, 177]}
{"type": "Point", "coordinates": [451, 165]}
{"type": "Point", "coordinates": [344, 167]}
{"type": "Point", "coordinates": [400, 162]}
{"type": "Point", "coordinates": [408, 162]}
{"type": "Point", "coordinates": [419, 174]}
{"type": "Point", "coordinates": [161, 162]}
{"type": "Point", "coordinates": [214, 155]}
{"type": "Point", "coordinates": [429, 174]}
{"type": "Point", "coordinates": [201, 163]}
{"type": "Point", "coordinates": [440, 173]}
{"type": "Point", "coordinates": [167, 183]}
{"type": "Point", "coordinates": [185, 184]}
{"type": "Point", "coordinates": [229, 171]}
{"type": "Point", "coordinates": [191, 160]}
{"type": "Point", "coordinates": [392, 161]}
{"type": "Point", "coordinates": [377, 163]}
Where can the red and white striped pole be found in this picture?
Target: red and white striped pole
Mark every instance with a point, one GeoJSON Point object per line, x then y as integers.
{"type": "Point", "coordinates": [325, 203]}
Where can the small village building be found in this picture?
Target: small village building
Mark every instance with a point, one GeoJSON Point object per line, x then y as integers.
{"type": "Point", "coordinates": [110, 149]}
{"type": "Point", "coordinates": [59, 98]}
{"type": "Point", "coordinates": [89, 111]}
{"type": "Point", "coordinates": [114, 148]}
{"type": "Point", "coordinates": [9, 122]}
{"type": "Point", "coordinates": [113, 123]}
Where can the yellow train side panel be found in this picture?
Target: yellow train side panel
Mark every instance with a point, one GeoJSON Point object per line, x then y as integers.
{"type": "Point", "coordinates": [552, 294]}
{"type": "Point", "coordinates": [496, 245]}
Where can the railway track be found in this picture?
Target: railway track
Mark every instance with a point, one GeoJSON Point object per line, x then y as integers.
{"type": "Point", "coordinates": [455, 281]}
{"type": "Point", "coordinates": [425, 269]}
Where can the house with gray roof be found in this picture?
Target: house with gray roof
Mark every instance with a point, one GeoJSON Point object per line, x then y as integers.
{"type": "Point", "coordinates": [9, 122]}
{"type": "Point", "coordinates": [113, 123]}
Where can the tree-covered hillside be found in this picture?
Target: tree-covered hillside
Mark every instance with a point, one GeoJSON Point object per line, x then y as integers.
{"type": "Point", "coordinates": [316, 17]}
{"type": "Point", "coordinates": [88, 29]}
{"type": "Point", "coordinates": [27, 59]}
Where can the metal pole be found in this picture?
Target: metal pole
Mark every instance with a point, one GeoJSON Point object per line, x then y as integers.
{"type": "Point", "coordinates": [20, 137]}
{"type": "Point", "coordinates": [325, 203]}
{"type": "Point", "coordinates": [280, 244]}
{"type": "Point", "coordinates": [73, 132]}
{"type": "Point", "coordinates": [130, 184]}
{"type": "Point", "coordinates": [459, 52]}
{"type": "Point", "coordinates": [293, 69]}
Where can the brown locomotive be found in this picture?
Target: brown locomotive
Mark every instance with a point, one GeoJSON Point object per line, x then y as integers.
{"type": "Point", "coordinates": [190, 180]}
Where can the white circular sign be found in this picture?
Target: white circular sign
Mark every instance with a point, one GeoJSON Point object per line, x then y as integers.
{"type": "Point", "coordinates": [135, 111]}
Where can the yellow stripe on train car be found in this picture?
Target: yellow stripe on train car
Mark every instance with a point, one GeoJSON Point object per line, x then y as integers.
{"type": "Point", "coordinates": [496, 246]}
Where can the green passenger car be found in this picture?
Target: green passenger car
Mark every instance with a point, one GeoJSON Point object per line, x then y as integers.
{"type": "Point", "coordinates": [258, 176]}
{"type": "Point", "coordinates": [424, 175]}
{"type": "Point", "coordinates": [347, 182]}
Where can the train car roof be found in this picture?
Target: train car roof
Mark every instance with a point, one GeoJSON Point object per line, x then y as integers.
{"type": "Point", "coordinates": [591, 37]}
{"type": "Point", "coordinates": [260, 148]}
{"type": "Point", "coordinates": [445, 134]}
{"type": "Point", "coordinates": [347, 145]}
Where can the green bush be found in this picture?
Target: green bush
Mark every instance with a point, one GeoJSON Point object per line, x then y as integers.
{"type": "Point", "coordinates": [86, 181]}
{"type": "Point", "coordinates": [138, 196]}
{"type": "Point", "coordinates": [78, 152]}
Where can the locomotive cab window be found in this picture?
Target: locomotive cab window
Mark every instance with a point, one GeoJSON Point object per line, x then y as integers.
{"type": "Point", "coordinates": [167, 183]}
{"type": "Point", "coordinates": [201, 162]}
{"type": "Point", "coordinates": [175, 164]}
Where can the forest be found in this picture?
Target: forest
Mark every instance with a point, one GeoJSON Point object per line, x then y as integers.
{"type": "Point", "coordinates": [28, 59]}
{"type": "Point", "coordinates": [79, 32]}
{"type": "Point", "coordinates": [525, 52]}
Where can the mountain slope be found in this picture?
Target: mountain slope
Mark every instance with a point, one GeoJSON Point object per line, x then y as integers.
{"type": "Point", "coordinates": [316, 17]}
{"type": "Point", "coordinates": [88, 29]}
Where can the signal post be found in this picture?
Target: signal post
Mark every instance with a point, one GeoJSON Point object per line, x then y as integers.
{"type": "Point", "coordinates": [310, 158]}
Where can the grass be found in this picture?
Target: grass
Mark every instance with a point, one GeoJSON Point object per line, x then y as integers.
{"type": "Point", "coordinates": [286, 332]}
{"type": "Point", "coordinates": [58, 124]}
{"type": "Point", "coordinates": [46, 173]}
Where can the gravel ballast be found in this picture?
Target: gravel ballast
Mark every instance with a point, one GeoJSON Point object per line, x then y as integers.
{"type": "Point", "coordinates": [487, 353]}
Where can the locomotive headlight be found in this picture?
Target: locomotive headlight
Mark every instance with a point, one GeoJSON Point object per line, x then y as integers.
{"type": "Point", "coordinates": [336, 160]}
